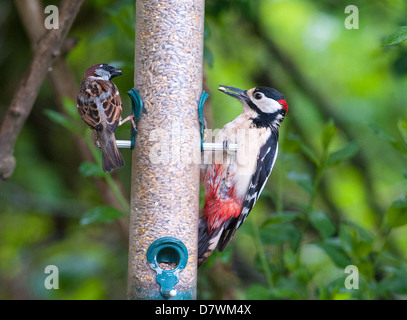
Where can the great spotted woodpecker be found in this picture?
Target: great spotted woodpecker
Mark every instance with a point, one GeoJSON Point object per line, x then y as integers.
{"type": "Point", "coordinates": [233, 185]}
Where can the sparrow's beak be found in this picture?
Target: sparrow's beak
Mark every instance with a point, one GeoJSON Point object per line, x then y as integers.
{"type": "Point", "coordinates": [114, 72]}
{"type": "Point", "coordinates": [234, 92]}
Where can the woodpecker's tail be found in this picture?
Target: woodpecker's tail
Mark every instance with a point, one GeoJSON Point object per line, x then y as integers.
{"type": "Point", "coordinates": [111, 157]}
{"type": "Point", "coordinates": [206, 242]}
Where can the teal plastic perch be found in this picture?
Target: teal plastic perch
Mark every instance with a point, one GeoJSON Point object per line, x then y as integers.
{"type": "Point", "coordinates": [168, 256]}
{"type": "Point", "coordinates": [202, 121]}
{"type": "Point", "coordinates": [137, 108]}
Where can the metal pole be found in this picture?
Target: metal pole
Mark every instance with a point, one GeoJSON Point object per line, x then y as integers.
{"type": "Point", "coordinates": [166, 157]}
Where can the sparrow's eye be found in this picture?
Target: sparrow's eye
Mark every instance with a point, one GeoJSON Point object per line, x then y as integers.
{"type": "Point", "coordinates": [258, 95]}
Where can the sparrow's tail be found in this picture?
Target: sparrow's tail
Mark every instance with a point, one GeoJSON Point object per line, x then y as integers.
{"type": "Point", "coordinates": [111, 157]}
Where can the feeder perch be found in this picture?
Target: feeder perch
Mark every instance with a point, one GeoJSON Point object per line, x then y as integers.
{"type": "Point", "coordinates": [168, 256]}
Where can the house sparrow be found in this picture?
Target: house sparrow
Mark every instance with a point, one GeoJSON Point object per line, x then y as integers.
{"type": "Point", "coordinates": [100, 106]}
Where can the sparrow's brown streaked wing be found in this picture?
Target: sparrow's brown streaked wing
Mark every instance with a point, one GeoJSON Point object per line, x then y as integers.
{"type": "Point", "coordinates": [99, 104]}
{"type": "Point", "coordinates": [112, 106]}
{"type": "Point", "coordinates": [87, 105]}
{"type": "Point", "coordinates": [89, 112]}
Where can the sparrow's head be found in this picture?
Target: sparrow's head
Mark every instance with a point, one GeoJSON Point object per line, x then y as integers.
{"type": "Point", "coordinates": [102, 71]}
{"type": "Point", "coordinates": [269, 105]}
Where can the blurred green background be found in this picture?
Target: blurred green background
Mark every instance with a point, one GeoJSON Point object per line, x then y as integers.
{"type": "Point", "coordinates": [337, 194]}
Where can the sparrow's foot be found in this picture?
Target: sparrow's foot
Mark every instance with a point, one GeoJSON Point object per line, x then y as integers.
{"type": "Point", "coordinates": [131, 119]}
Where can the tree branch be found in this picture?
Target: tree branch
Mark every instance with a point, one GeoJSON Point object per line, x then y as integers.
{"type": "Point", "coordinates": [21, 105]}
{"type": "Point", "coordinates": [63, 84]}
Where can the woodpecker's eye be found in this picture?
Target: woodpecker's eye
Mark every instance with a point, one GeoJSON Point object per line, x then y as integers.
{"type": "Point", "coordinates": [258, 95]}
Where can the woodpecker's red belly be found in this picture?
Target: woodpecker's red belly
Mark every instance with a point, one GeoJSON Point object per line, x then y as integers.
{"type": "Point", "coordinates": [221, 201]}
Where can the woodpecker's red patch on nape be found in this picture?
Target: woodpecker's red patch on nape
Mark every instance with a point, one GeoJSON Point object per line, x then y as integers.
{"type": "Point", "coordinates": [221, 203]}
{"type": "Point", "coordinates": [284, 104]}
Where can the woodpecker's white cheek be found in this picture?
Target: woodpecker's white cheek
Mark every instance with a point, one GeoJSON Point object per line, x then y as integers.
{"type": "Point", "coordinates": [268, 105]}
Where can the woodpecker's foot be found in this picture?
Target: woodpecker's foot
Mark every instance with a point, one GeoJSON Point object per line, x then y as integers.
{"type": "Point", "coordinates": [204, 131]}
{"type": "Point", "coordinates": [131, 119]}
{"type": "Point", "coordinates": [226, 145]}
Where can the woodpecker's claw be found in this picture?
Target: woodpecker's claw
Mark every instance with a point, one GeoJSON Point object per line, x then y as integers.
{"type": "Point", "coordinates": [225, 145]}
{"type": "Point", "coordinates": [205, 127]}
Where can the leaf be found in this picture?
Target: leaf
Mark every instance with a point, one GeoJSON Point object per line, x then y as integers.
{"type": "Point", "coordinates": [334, 250]}
{"type": "Point", "coordinates": [402, 126]}
{"type": "Point", "coordinates": [207, 31]}
{"type": "Point", "coordinates": [341, 296]}
{"type": "Point", "coordinates": [396, 215]}
{"type": "Point", "coordinates": [280, 233]}
{"type": "Point", "coordinates": [397, 283]}
{"type": "Point", "coordinates": [281, 217]}
{"type": "Point", "coordinates": [343, 154]}
{"type": "Point", "coordinates": [290, 259]}
{"type": "Point", "coordinates": [90, 169]}
{"type": "Point", "coordinates": [303, 180]}
{"type": "Point", "coordinates": [310, 154]}
{"type": "Point", "coordinates": [102, 214]}
{"type": "Point", "coordinates": [328, 133]}
{"type": "Point", "coordinates": [70, 108]}
{"type": "Point", "coordinates": [390, 139]}
{"type": "Point", "coordinates": [294, 144]}
{"type": "Point", "coordinates": [355, 240]}
{"type": "Point", "coordinates": [208, 56]}
{"type": "Point", "coordinates": [286, 288]}
{"type": "Point", "coordinates": [258, 292]}
{"type": "Point", "coordinates": [346, 238]}
{"type": "Point", "coordinates": [322, 223]}
{"type": "Point", "coordinates": [62, 120]}
{"type": "Point", "coordinates": [123, 18]}
{"type": "Point", "coordinates": [398, 36]}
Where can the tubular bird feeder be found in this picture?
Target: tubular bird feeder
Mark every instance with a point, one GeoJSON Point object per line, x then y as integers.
{"type": "Point", "coordinates": [165, 163]}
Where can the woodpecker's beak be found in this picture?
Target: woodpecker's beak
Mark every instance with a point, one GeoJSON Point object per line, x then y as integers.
{"type": "Point", "coordinates": [234, 92]}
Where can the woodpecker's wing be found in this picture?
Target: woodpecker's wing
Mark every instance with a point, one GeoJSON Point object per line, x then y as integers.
{"type": "Point", "coordinates": [99, 104]}
{"type": "Point", "coordinates": [265, 163]}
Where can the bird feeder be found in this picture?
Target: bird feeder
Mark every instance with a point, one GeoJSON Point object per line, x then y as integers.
{"type": "Point", "coordinates": [166, 156]}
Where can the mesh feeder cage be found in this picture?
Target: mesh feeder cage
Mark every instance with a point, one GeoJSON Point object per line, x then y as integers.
{"type": "Point", "coordinates": [165, 168]}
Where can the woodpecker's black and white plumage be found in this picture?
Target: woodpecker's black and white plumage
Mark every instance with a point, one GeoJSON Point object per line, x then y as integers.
{"type": "Point", "coordinates": [233, 185]}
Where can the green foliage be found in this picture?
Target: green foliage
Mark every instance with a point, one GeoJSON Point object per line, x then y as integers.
{"type": "Point", "coordinates": [102, 214]}
{"type": "Point", "coordinates": [336, 197]}
{"type": "Point", "coordinates": [346, 153]}
{"type": "Point", "coordinates": [62, 120]}
{"type": "Point", "coordinates": [397, 144]}
{"type": "Point", "coordinates": [344, 244]}
{"type": "Point", "coordinates": [398, 36]}
{"type": "Point", "coordinates": [322, 223]}
{"type": "Point", "coordinates": [396, 215]}
{"type": "Point", "coordinates": [90, 169]}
